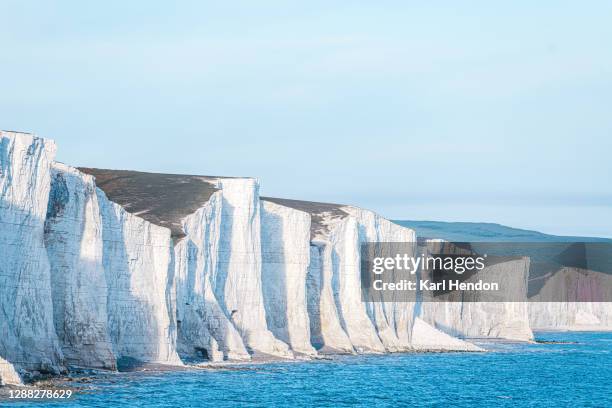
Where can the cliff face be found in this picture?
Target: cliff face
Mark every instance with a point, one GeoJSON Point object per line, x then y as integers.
{"type": "Point", "coordinates": [468, 316]}
{"type": "Point", "coordinates": [238, 283]}
{"type": "Point", "coordinates": [393, 320]}
{"type": "Point", "coordinates": [73, 238]}
{"type": "Point", "coordinates": [285, 237]}
{"type": "Point", "coordinates": [139, 269]}
{"type": "Point", "coordinates": [202, 322]}
{"type": "Point", "coordinates": [572, 284]}
{"type": "Point", "coordinates": [354, 319]}
{"type": "Point", "coordinates": [27, 333]}
{"type": "Point", "coordinates": [8, 375]}
{"type": "Point", "coordinates": [107, 268]}
{"type": "Point", "coordinates": [340, 322]}
{"type": "Point", "coordinates": [111, 277]}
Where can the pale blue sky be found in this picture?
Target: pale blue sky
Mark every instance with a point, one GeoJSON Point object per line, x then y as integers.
{"type": "Point", "coordinates": [467, 111]}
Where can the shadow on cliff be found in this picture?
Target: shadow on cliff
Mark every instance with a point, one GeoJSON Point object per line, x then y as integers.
{"type": "Point", "coordinates": [223, 328]}
{"type": "Point", "coordinates": [193, 310]}
{"type": "Point", "coordinates": [274, 283]}
{"type": "Point", "coordinates": [79, 289]}
{"type": "Point", "coordinates": [219, 280]}
{"type": "Point", "coordinates": [131, 323]}
{"type": "Point", "coordinates": [313, 296]}
{"type": "Point", "coordinates": [27, 333]}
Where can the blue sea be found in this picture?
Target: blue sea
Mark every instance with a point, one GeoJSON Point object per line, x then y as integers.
{"type": "Point", "coordinates": [571, 369]}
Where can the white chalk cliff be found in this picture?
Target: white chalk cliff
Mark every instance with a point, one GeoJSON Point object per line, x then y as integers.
{"type": "Point", "coordinates": [27, 333]}
{"type": "Point", "coordinates": [285, 237]}
{"type": "Point", "coordinates": [111, 268]}
{"type": "Point", "coordinates": [8, 374]}
{"type": "Point", "coordinates": [203, 324]}
{"type": "Point", "coordinates": [340, 321]}
{"type": "Point", "coordinates": [471, 318]}
{"type": "Point", "coordinates": [73, 238]}
{"type": "Point", "coordinates": [573, 284]}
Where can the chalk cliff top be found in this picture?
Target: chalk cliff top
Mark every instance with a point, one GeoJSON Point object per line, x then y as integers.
{"type": "Point", "coordinates": [166, 199]}
{"type": "Point", "coordinates": [162, 199]}
{"type": "Point", "coordinates": [323, 215]}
